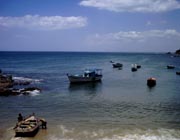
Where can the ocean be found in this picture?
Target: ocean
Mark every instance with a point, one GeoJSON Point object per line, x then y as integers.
{"type": "Point", "coordinates": [120, 107]}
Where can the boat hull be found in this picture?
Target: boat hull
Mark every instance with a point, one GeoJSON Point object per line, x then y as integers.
{"type": "Point", "coordinates": [76, 79]}
{"type": "Point", "coordinates": [27, 127]}
{"type": "Point", "coordinates": [117, 65]}
{"type": "Point", "coordinates": [30, 133]}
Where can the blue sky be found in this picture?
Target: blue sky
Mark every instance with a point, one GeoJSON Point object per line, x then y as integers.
{"type": "Point", "coordinates": [90, 25]}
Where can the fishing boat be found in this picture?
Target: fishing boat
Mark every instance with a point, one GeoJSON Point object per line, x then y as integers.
{"type": "Point", "coordinates": [89, 75]}
{"type": "Point", "coordinates": [178, 72]}
{"type": "Point", "coordinates": [134, 67]}
{"type": "Point", "coordinates": [170, 67]}
{"type": "Point", "coordinates": [117, 65]}
{"type": "Point", "coordinates": [28, 127]}
{"type": "Point", "coordinates": [138, 66]}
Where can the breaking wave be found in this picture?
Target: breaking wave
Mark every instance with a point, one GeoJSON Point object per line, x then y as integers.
{"type": "Point", "coordinates": [25, 79]}
{"type": "Point", "coordinates": [115, 134]}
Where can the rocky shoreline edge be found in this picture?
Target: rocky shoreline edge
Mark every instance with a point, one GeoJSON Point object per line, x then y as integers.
{"type": "Point", "coordinates": [8, 86]}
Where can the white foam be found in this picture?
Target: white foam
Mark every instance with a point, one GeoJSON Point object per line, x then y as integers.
{"type": "Point", "coordinates": [115, 134]}
{"type": "Point", "coordinates": [34, 92]}
{"type": "Point", "coordinates": [26, 79]}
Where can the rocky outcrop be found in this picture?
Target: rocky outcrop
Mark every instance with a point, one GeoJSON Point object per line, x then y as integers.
{"type": "Point", "coordinates": [24, 91]}
{"type": "Point", "coordinates": [7, 86]}
{"type": "Point", "coordinates": [177, 52]}
{"type": "Point", "coordinates": [6, 81]}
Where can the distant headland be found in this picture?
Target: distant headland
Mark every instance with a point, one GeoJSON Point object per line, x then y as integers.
{"type": "Point", "coordinates": [175, 54]}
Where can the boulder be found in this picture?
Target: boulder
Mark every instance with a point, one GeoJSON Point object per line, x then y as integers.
{"type": "Point", "coordinates": [7, 86]}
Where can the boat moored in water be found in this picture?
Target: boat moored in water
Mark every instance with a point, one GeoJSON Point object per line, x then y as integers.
{"type": "Point", "coordinates": [134, 67]}
{"type": "Point", "coordinates": [89, 75]}
{"type": "Point", "coordinates": [170, 67]}
{"type": "Point", "coordinates": [117, 65]}
{"type": "Point", "coordinates": [178, 73]}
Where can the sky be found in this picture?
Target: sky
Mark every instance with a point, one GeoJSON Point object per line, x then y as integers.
{"type": "Point", "coordinates": [90, 25]}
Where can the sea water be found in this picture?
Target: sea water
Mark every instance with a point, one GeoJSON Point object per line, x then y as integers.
{"type": "Point", "coordinates": [120, 107]}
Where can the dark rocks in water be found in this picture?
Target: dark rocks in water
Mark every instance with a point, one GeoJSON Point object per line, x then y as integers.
{"type": "Point", "coordinates": [7, 86]}
{"type": "Point", "coordinates": [14, 92]}
{"type": "Point", "coordinates": [6, 81]}
{"type": "Point", "coordinates": [177, 52]}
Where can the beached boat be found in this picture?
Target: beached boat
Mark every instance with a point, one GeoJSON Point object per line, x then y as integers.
{"type": "Point", "coordinates": [89, 75]}
{"type": "Point", "coordinates": [28, 127]}
{"type": "Point", "coordinates": [117, 65]}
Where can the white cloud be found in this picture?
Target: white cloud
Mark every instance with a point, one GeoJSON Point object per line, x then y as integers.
{"type": "Point", "coordinates": [44, 22]}
{"type": "Point", "coordinates": [134, 36]}
{"type": "Point", "coordinates": [133, 5]}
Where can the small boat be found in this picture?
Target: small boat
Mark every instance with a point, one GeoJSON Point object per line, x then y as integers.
{"type": "Point", "coordinates": [117, 65]}
{"type": "Point", "coordinates": [89, 75]}
{"type": "Point", "coordinates": [28, 127]}
{"type": "Point", "coordinates": [178, 73]}
{"type": "Point", "coordinates": [138, 66]}
{"type": "Point", "coordinates": [134, 67]}
{"type": "Point", "coordinates": [170, 67]}
{"type": "Point", "coordinates": [151, 82]}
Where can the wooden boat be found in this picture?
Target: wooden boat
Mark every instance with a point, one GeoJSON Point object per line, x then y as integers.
{"type": "Point", "coordinates": [117, 65]}
{"type": "Point", "coordinates": [151, 82]}
{"type": "Point", "coordinates": [89, 75]}
{"type": "Point", "coordinates": [170, 67]}
{"type": "Point", "coordinates": [28, 127]}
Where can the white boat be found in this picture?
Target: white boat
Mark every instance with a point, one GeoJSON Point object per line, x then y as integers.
{"type": "Point", "coordinates": [89, 75]}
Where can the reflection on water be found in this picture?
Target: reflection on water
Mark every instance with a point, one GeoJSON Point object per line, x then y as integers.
{"type": "Point", "coordinates": [93, 87]}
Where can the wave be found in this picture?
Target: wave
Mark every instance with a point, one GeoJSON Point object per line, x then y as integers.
{"type": "Point", "coordinates": [25, 79]}
{"type": "Point", "coordinates": [34, 92]}
{"type": "Point", "coordinates": [115, 134]}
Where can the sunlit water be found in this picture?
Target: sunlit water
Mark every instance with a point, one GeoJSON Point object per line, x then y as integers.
{"type": "Point", "coordinates": [121, 107]}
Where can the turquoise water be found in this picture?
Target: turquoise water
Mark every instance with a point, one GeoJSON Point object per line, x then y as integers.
{"type": "Point", "coordinates": [121, 107]}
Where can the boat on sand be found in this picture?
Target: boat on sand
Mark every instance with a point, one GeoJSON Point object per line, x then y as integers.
{"type": "Point", "coordinates": [29, 126]}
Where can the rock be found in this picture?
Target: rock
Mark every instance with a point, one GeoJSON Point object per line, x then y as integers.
{"type": "Point", "coordinates": [7, 86]}
{"type": "Point", "coordinates": [14, 92]}
{"type": "Point", "coordinates": [177, 52]}
{"type": "Point", "coordinates": [8, 92]}
{"type": "Point", "coordinates": [6, 81]}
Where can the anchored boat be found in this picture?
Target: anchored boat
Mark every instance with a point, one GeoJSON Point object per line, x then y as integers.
{"type": "Point", "coordinates": [89, 75]}
{"type": "Point", "coordinates": [117, 65]}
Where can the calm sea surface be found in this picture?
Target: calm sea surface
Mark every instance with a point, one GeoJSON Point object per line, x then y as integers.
{"type": "Point", "coordinates": [121, 107]}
